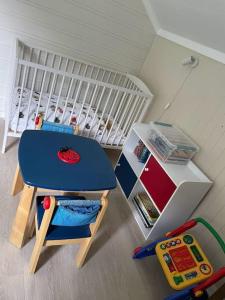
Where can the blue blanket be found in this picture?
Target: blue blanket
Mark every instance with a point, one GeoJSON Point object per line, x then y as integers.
{"type": "Point", "coordinates": [76, 212]}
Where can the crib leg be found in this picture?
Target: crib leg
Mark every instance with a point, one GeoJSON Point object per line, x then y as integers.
{"type": "Point", "coordinates": [4, 142]}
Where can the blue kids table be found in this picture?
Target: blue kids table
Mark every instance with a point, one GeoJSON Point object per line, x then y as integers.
{"type": "Point", "coordinates": [40, 167]}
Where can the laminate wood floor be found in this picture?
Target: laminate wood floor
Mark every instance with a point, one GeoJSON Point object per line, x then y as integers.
{"type": "Point", "coordinates": [109, 272]}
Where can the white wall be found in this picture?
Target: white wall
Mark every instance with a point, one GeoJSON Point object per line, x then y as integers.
{"type": "Point", "coordinates": [197, 98]}
{"type": "Point", "coordinates": [112, 33]}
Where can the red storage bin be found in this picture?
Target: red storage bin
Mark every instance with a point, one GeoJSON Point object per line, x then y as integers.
{"type": "Point", "coordinates": [158, 183]}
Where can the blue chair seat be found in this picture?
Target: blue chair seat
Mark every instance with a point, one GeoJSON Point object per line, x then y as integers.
{"type": "Point", "coordinates": [62, 232]}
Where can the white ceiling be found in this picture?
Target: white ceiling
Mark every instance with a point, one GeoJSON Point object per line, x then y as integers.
{"type": "Point", "coordinates": [198, 24]}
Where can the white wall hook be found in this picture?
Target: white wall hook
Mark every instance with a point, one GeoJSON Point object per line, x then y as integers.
{"type": "Point", "coordinates": [191, 60]}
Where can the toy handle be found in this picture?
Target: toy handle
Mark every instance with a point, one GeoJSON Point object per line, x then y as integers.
{"type": "Point", "coordinates": [188, 225]}
{"type": "Point", "coordinates": [210, 281]}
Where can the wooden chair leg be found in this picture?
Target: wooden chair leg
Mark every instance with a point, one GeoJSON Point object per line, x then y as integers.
{"type": "Point", "coordinates": [18, 231]}
{"type": "Point", "coordinates": [31, 229]}
{"type": "Point", "coordinates": [18, 183]}
{"type": "Point", "coordinates": [86, 244]}
{"type": "Point", "coordinates": [31, 223]}
{"type": "Point", "coordinates": [40, 236]}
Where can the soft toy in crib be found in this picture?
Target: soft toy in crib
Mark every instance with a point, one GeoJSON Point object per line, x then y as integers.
{"type": "Point", "coordinates": [51, 126]}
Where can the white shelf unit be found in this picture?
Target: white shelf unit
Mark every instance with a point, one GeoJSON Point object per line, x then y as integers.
{"type": "Point", "coordinates": [175, 190]}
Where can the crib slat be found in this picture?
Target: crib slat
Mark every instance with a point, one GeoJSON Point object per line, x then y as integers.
{"type": "Point", "coordinates": [109, 115]}
{"type": "Point", "coordinates": [82, 106]}
{"type": "Point", "coordinates": [45, 61]}
{"type": "Point", "coordinates": [103, 112]}
{"type": "Point", "coordinates": [67, 98]}
{"type": "Point", "coordinates": [114, 78]}
{"type": "Point", "coordinates": [115, 118]}
{"type": "Point", "coordinates": [125, 82]}
{"type": "Point", "coordinates": [93, 68]}
{"type": "Point", "coordinates": [128, 85]}
{"type": "Point", "coordinates": [118, 81]}
{"type": "Point", "coordinates": [122, 117]}
{"type": "Point", "coordinates": [52, 64]}
{"type": "Point", "coordinates": [50, 95]}
{"type": "Point", "coordinates": [40, 96]}
{"type": "Point", "coordinates": [79, 69]}
{"type": "Point", "coordinates": [144, 110]}
{"type": "Point", "coordinates": [96, 110]}
{"type": "Point", "coordinates": [85, 70]}
{"type": "Point", "coordinates": [132, 109]}
{"type": "Point", "coordinates": [97, 73]}
{"type": "Point", "coordinates": [91, 103]}
{"type": "Point", "coordinates": [131, 86]}
{"type": "Point", "coordinates": [107, 80]}
{"type": "Point", "coordinates": [30, 98]}
{"type": "Point", "coordinates": [74, 64]}
{"type": "Point", "coordinates": [128, 119]}
{"type": "Point", "coordinates": [21, 54]}
{"type": "Point", "coordinates": [58, 99]}
{"type": "Point", "coordinates": [99, 80]}
{"type": "Point", "coordinates": [61, 87]}
{"type": "Point", "coordinates": [75, 87]}
{"type": "Point", "coordinates": [139, 110]}
{"type": "Point", "coordinates": [138, 113]}
{"type": "Point", "coordinates": [121, 82]}
{"type": "Point", "coordinates": [91, 72]}
{"type": "Point", "coordinates": [20, 100]}
{"type": "Point", "coordinates": [135, 110]}
{"type": "Point", "coordinates": [103, 75]}
{"type": "Point", "coordinates": [28, 73]}
{"type": "Point", "coordinates": [75, 100]}
{"type": "Point", "coordinates": [57, 76]}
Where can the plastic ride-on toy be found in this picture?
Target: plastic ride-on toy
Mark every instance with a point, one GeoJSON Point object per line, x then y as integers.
{"type": "Point", "coordinates": [184, 263]}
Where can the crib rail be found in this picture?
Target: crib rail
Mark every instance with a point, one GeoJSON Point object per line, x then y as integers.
{"type": "Point", "coordinates": [57, 61]}
{"type": "Point", "coordinates": [104, 103]}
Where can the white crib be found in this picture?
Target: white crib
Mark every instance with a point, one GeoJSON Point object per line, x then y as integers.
{"type": "Point", "coordinates": [104, 103]}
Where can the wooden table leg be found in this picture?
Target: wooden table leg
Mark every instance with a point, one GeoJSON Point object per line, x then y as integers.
{"type": "Point", "coordinates": [31, 222]}
{"type": "Point", "coordinates": [86, 244]}
{"type": "Point", "coordinates": [19, 227]}
{"type": "Point", "coordinates": [18, 183]}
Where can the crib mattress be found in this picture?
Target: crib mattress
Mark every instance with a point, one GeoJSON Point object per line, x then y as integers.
{"type": "Point", "coordinates": [90, 122]}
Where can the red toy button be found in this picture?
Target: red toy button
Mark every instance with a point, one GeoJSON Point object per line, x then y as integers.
{"type": "Point", "coordinates": [46, 202]}
{"type": "Point", "coordinates": [68, 155]}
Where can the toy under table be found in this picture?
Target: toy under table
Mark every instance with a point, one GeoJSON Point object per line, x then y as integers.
{"type": "Point", "coordinates": [42, 166]}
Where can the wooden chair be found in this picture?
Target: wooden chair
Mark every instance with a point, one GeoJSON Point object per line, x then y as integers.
{"type": "Point", "coordinates": [50, 235]}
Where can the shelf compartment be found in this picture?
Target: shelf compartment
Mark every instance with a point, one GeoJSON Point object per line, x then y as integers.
{"type": "Point", "coordinates": [132, 142]}
{"type": "Point", "coordinates": [125, 175]}
{"type": "Point", "coordinates": [140, 213]}
{"type": "Point", "coordinates": [158, 183]}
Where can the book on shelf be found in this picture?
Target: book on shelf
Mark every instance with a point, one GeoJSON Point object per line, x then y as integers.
{"type": "Point", "coordinates": [141, 214]}
{"type": "Point", "coordinates": [143, 211]}
{"type": "Point", "coordinates": [147, 207]}
{"type": "Point", "coordinates": [141, 152]}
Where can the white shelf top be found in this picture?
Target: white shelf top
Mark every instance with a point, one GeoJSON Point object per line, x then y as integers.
{"type": "Point", "coordinates": [178, 173]}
